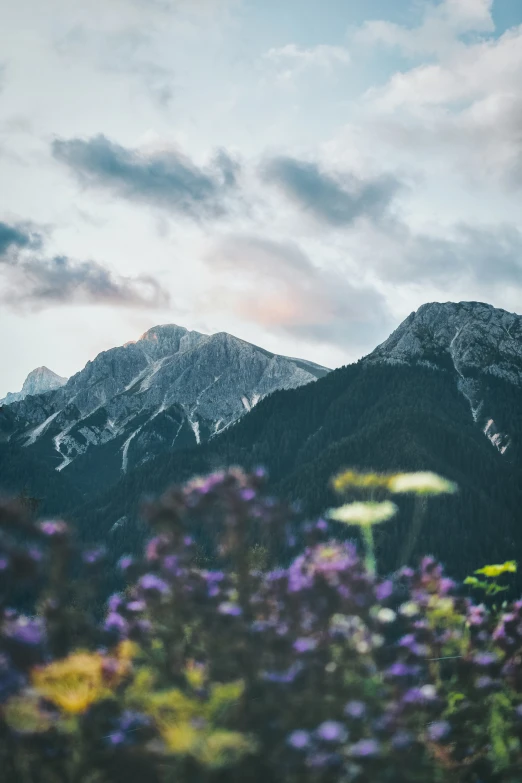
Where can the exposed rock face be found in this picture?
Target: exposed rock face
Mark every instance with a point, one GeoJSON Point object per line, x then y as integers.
{"type": "Point", "coordinates": [38, 381]}
{"type": "Point", "coordinates": [171, 388]}
{"type": "Point", "coordinates": [472, 339]}
{"type": "Point", "coordinates": [472, 335]}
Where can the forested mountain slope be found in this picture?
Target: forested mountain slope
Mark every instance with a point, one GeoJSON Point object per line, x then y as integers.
{"type": "Point", "coordinates": [368, 416]}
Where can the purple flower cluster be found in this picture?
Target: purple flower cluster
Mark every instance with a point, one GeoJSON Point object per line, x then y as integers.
{"type": "Point", "coordinates": [336, 674]}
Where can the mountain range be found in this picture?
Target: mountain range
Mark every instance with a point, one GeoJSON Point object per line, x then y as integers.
{"type": "Point", "coordinates": [171, 389]}
{"type": "Point", "coordinates": [442, 393]}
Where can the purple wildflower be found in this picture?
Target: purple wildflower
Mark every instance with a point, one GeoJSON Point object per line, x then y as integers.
{"type": "Point", "coordinates": [93, 556]}
{"type": "Point", "coordinates": [247, 494]}
{"type": "Point", "coordinates": [283, 677]}
{"type": "Point", "coordinates": [299, 739]}
{"type": "Point", "coordinates": [332, 731]}
{"type": "Point", "coordinates": [54, 528]}
{"type": "Point", "coordinates": [384, 590]}
{"type": "Point", "coordinates": [30, 633]}
{"type": "Point", "coordinates": [276, 574]}
{"type": "Point", "coordinates": [399, 669]}
{"type": "Point", "coordinates": [125, 562]}
{"type": "Point", "coordinates": [355, 709]}
{"type": "Point", "coordinates": [485, 659]}
{"type": "Point", "coordinates": [35, 554]}
{"type": "Point", "coordinates": [421, 695]}
{"type": "Point", "coordinates": [213, 576]}
{"type": "Point", "coordinates": [486, 683]}
{"type": "Point", "coordinates": [171, 565]}
{"type": "Point", "coordinates": [115, 602]}
{"type": "Point", "coordinates": [365, 748]}
{"type": "Point", "coordinates": [116, 738]}
{"type": "Point", "coordinates": [153, 584]}
{"type": "Point", "coordinates": [230, 608]}
{"type": "Point", "coordinates": [304, 644]}
{"type": "Point", "coordinates": [116, 623]}
{"type": "Point", "coordinates": [410, 643]}
{"type": "Point", "coordinates": [438, 730]}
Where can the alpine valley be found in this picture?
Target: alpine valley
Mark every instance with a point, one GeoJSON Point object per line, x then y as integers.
{"type": "Point", "coordinates": [442, 393]}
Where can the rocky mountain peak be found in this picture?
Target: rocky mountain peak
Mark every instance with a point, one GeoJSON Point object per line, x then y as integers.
{"type": "Point", "coordinates": [171, 388]}
{"type": "Point", "coordinates": [475, 341]}
{"type": "Point", "coordinates": [39, 381]}
{"type": "Point", "coordinates": [472, 337]}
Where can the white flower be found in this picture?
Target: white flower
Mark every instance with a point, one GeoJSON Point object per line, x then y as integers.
{"type": "Point", "coordinates": [364, 513]}
{"type": "Point", "coordinates": [429, 691]}
{"type": "Point", "coordinates": [386, 615]}
{"type": "Point", "coordinates": [409, 609]}
{"type": "Point", "coordinates": [423, 483]}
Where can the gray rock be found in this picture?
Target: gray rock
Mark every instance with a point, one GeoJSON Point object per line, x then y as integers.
{"type": "Point", "coordinates": [171, 388]}
{"type": "Point", "coordinates": [39, 381]}
{"type": "Point", "coordinates": [473, 339]}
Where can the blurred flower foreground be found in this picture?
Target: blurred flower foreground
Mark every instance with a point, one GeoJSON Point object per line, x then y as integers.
{"type": "Point", "coordinates": [288, 660]}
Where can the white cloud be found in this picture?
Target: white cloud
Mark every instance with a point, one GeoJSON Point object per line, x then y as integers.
{"type": "Point", "coordinates": [440, 28]}
{"type": "Point", "coordinates": [291, 61]}
{"type": "Point", "coordinates": [463, 107]}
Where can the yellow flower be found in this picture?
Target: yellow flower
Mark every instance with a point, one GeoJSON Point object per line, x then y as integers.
{"type": "Point", "coordinates": [73, 683]}
{"type": "Point", "coordinates": [195, 674]}
{"type": "Point", "coordinates": [223, 747]}
{"type": "Point", "coordinates": [422, 483]}
{"type": "Point", "coordinates": [349, 479]}
{"type": "Point", "coordinates": [509, 567]}
{"type": "Point", "coordinates": [25, 715]}
{"type": "Point", "coordinates": [179, 736]}
{"type": "Point", "coordinates": [364, 514]}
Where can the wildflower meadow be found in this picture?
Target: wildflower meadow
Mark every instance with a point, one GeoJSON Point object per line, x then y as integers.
{"type": "Point", "coordinates": [246, 644]}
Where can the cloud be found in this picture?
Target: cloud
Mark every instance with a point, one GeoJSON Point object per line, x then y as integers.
{"type": "Point", "coordinates": [17, 236]}
{"type": "Point", "coordinates": [166, 179]}
{"type": "Point", "coordinates": [335, 199]}
{"type": "Point", "coordinates": [487, 258]}
{"type": "Point", "coordinates": [441, 27]}
{"type": "Point", "coordinates": [463, 106]}
{"type": "Point", "coordinates": [276, 285]}
{"type": "Point", "coordinates": [291, 61]}
{"type": "Point", "coordinates": [128, 51]}
{"type": "Point", "coordinates": [31, 279]}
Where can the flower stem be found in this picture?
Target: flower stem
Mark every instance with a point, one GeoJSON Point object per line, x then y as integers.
{"type": "Point", "coordinates": [370, 549]}
{"type": "Point", "coordinates": [419, 509]}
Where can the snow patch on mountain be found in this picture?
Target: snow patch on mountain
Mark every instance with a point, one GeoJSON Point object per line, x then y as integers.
{"type": "Point", "coordinates": [205, 382]}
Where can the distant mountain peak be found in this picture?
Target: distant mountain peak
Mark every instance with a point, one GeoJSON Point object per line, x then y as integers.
{"type": "Point", "coordinates": [473, 337]}
{"type": "Point", "coordinates": [171, 388]}
{"type": "Point", "coordinates": [474, 340]}
{"type": "Point", "coordinates": [39, 381]}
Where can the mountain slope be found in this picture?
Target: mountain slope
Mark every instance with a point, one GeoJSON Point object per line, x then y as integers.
{"type": "Point", "coordinates": [39, 381]}
{"type": "Point", "coordinates": [382, 413]}
{"type": "Point", "coordinates": [170, 389]}
{"type": "Point", "coordinates": [481, 344]}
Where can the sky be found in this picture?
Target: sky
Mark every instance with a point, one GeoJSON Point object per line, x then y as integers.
{"type": "Point", "coordinates": [300, 173]}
